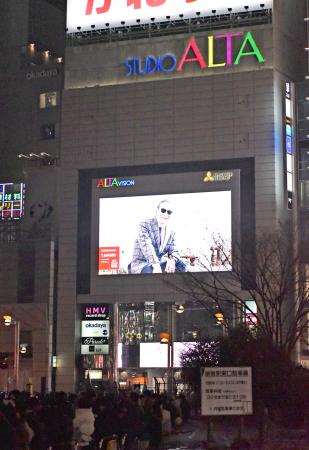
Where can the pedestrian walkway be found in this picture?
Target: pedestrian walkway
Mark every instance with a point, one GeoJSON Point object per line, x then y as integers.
{"type": "Point", "coordinates": [193, 436]}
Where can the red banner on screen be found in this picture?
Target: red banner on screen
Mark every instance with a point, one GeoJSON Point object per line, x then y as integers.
{"type": "Point", "coordinates": [109, 258]}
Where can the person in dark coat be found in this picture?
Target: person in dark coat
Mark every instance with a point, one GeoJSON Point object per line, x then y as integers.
{"type": "Point", "coordinates": [6, 433]}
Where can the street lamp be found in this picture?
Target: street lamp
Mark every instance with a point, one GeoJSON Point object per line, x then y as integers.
{"type": "Point", "coordinates": [8, 321]}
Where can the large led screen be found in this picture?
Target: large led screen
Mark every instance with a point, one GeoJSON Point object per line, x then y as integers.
{"type": "Point", "coordinates": [188, 232]}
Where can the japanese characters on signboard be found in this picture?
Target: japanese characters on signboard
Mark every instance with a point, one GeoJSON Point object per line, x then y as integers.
{"type": "Point", "coordinates": [87, 14]}
{"type": "Point", "coordinates": [11, 201]}
{"type": "Point", "coordinates": [226, 391]}
{"type": "Point", "coordinates": [95, 329]}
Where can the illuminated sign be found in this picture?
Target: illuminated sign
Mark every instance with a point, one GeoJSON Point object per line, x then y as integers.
{"type": "Point", "coordinates": [95, 311]}
{"type": "Point", "coordinates": [192, 54]}
{"type": "Point", "coordinates": [95, 329]}
{"type": "Point", "coordinates": [11, 200]}
{"type": "Point", "coordinates": [114, 182]}
{"type": "Point", "coordinates": [289, 143]}
{"type": "Point", "coordinates": [87, 14]}
{"type": "Point", "coordinates": [217, 176]}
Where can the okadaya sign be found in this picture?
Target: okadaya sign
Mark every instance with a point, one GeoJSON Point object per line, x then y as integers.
{"type": "Point", "coordinates": [169, 62]}
{"type": "Point", "coordinates": [100, 14]}
{"type": "Point", "coordinates": [226, 391]}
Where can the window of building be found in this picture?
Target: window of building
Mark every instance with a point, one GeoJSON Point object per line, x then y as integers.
{"type": "Point", "coordinates": [48, 131]}
{"type": "Point", "coordinates": [49, 100]}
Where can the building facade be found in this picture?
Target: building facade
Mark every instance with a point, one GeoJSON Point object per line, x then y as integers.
{"type": "Point", "coordinates": [31, 79]}
{"type": "Point", "coordinates": [148, 113]}
{"type": "Point", "coordinates": [188, 114]}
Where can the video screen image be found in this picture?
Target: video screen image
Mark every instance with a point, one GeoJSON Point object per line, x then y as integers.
{"type": "Point", "coordinates": [171, 233]}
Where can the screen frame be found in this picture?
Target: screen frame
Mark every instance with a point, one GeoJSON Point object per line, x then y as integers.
{"type": "Point", "coordinates": [85, 203]}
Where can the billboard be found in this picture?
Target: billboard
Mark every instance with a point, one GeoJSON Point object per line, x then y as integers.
{"type": "Point", "coordinates": [12, 197]}
{"type": "Point", "coordinates": [88, 14]}
{"type": "Point", "coordinates": [165, 233]}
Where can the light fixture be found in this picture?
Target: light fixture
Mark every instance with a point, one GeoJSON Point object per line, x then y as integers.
{"type": "Point", "coordinates": [34, 155]}
{"type": "Point", "coordinates": [7, 320]}
{"type": "Point", "coordinates": [59, 59]}
{"type": "Point", "coordinates": [32, 46]}
{"type": "Point", "coordinates": [194, 334]}
{"type": "Point", "coordinates": [180, 309]}
{"type": "Point", "coordinates": [164, 338]}
{"type": "Point", "coordinates": [23, 348]}
{"type": "Point", "coordinates": [219, 316]}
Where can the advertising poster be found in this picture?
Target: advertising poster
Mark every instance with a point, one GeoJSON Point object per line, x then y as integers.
{"type": "Point", "coordinates": [165, 233]}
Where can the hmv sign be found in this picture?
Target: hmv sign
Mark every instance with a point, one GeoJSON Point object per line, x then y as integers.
{"type": "Point", "coordinates": [92, 312]}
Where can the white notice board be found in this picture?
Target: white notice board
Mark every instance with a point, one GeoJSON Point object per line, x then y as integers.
{"type": "Point", "coordinates": [226, 391]}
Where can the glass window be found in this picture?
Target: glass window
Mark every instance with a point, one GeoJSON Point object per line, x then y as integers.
{"type": "Point", "coordinates": [48, 131]}
{"type": "Point", "coordinates": [49, 100]}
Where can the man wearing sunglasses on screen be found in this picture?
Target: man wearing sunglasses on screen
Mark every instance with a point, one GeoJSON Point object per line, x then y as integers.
{"type": "Point", "coordinates": [155, 248]}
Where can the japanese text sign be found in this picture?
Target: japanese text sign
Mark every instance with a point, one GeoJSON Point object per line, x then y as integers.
{"type": "Point", "coordinates": [100, 14]}
{"type": "Point", "coordinates": [226, 391]}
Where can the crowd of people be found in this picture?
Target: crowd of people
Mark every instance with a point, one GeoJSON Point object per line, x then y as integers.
{"type": "Point", "coordinates": [89, 421]}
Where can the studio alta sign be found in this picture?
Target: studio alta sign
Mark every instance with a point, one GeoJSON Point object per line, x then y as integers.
{"type": "Point", "coordinates": [169, 62]}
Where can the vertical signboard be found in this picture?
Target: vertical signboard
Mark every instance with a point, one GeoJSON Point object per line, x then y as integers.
{"type": "Point", "coordinates": [289, 143]}
{"type": "Point", "coordinates": [226, 391]}
{"type": "Point", "coordinates": [95, 329]}
{"type": "Point", "coordinates": [11, 201]}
